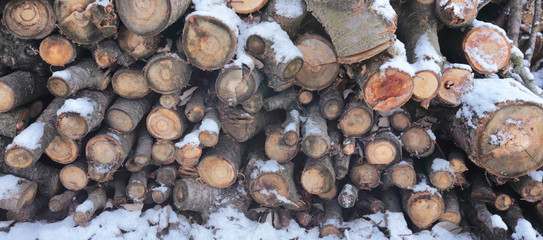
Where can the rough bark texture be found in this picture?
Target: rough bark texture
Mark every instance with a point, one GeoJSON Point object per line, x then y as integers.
{"type": "Point", "coordinates": [315, 140]}
{"type": "Point", "coordinates": [18, 53]}
{"type": "Point", "coordinates": [45, 176]}
{"type": "Point", "coordinates": [125, 114]}
{"type": "Point", "coordinates": [290, 23]}
{"type": "Point", "coordinates": [332, 219]}
{"type": "Point", "coordinates": [107, 53]}
{"type": "Point", "coordinates": [136, 188]}
{"type": "Point", "coordinates": [130, 83]}
{"type": "Point", "coordinates": [144, 144]}
{"type": "Point", "coordinates": [95, 201]}
{"type": "Point", "coordinates": [220, 165]}
{"type": "Point", "coordinates": [14, 121]}
{"type": "Point", "coordinates": [348, 196]}
{"type": "Point", "coordinates": [81, 75]}
{"type": "Point", "coordinates": [20, 87]}
{"type": "Point", "coordinates": [242, 125]}
{"type": "Point", "coordinates": [23, 193]}
{"type": "Point", "coordinates": [195, 108]}
{"type": "Point", "coordinates": [60, 202]}
{"type": "Point", "coordinates": [167, 73]}
{"type": "Point", "coordinates": [529, 189]}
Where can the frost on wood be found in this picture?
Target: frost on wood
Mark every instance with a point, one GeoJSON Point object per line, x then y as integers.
{"type": "Point", "coordinates": [399, 59]}
{"type": "Point", "coordinates": [217, 9]}
{"type": "Point", "coordinates": [30, 137]}
{"type": "Point", "coordinates": [8, 186]}
{"type": "Point", "coordinates": [190, 139]}
{"type": "Point", "coordinates": [440, 164]}
{"type": "Point", "coordinates": [209, 125]}
{"type": "Point", "coordinates": [83, 106]}
{"type": "Point", "coordinates": [289, 8]}
{"type": "Point", "coordinates": [428, 59]}
{"type": "Point", "coordinates": [265, 166]}
{"type": "Point", "coordinates": [283, 47]}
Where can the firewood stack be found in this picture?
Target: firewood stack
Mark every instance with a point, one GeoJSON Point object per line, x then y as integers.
{"type": "Point", "coordinates": [318, 111]}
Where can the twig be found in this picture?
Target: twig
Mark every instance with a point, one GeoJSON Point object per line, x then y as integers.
{"type": "Point", "coordinates": [533, 32]}
{"type": "Point", "coordinates": [513, 25]}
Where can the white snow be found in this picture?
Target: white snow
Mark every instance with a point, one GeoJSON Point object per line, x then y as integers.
{"type": "Point", "coordinates": [459, 8]}
{"type": "Point", "coordinates": [289, 8]}
{"type": "Point", "coordinates": [284, 48]}
{"type": "Point", "coordinates": [86, 206]}
{"type": "Point", "coordinates": [8, 186]}
{"type": "Point", "coordinates": [431, 134]}
{"type": "Point", "coordinates": [399, 61]}
{"type": "Point", "coordinates": [349, 190]}
{"type": "Point", "coordinates": [82, 106]}
{"type": "Point", "coordinates": [266, 166]}
{"type": "Point", "coordinates": [440, 164]}
{"type": "Point", "coordinates": [487, 61]}
{"type": "Point", "coordinates": [190, 139]}
{"type": "Point", "coordinates": [538, 78]}
{"type": "Point", "coordinates": [291, 126]}
{"type": "Point", "coordinates": [423, 186]}
{"type": "Point", "coordinates": [217, 9]}
{"type": "Point", "coordinates": [279, 197]}
{"type": "Point", "coordinates": [536, 175]}
{"type": "Point", "coordinates": [428, 59]}
{"type": "Point", "coordinates": [458, 66]}
{"type": "Point", "coordinates": [525, 231]}
{"type": "Point", "coordinates": [487, 93]}
{"type": "Point", "coordinates": [30, 137]}
{"type": "Point", "coordinates": [498, 222]}
{"type": "Point", "coordinates": [242, 58]}
{"type": "Point", "coordinates": [383, 8]}
{"type": "Point", "coordinates": [209, 125]}
{"type": "Point", "coordinates": [103, 3]}
{"type": "Point", "coordinates": [64, 74]}
{"type": "Point", "coordinates": [162, 188]}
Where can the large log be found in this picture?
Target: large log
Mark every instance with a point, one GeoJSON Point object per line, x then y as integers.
{"type": "Point", "coordinates": [26, 19]}
{"type": "Point", "coordinates": [125, 114]}
{"type": "Point", "coordinates": [20, 87]}
{"type": "Point", "coordinates": [167, 73]}
{"type": "Point", "coordinates": [166, 124]}
{"type": "Point", "coordinates": [57, 50]}
{"type": "Point", "coordinates": [219, 167]}
{"type": "Point", "coordinates": [424, 205]}
{"type": "Point", "coordinates": [486, 47]}
{"type": "Point", "coordinates": [320, 67]}
{"type": "Point", "coordinates": [109, 148]}
{"type": "Point", "coordinates": [130, 83]}
{"type": "Point", "coordinates": [16, 192]}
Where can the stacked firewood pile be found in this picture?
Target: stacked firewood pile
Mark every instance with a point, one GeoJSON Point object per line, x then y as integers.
{"type": "Point", "coordinates": [318, 111]}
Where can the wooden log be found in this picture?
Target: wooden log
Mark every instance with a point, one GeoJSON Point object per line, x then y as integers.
{"type": "Point", "coordinates": [137, 46]}
{"type": "Point", "coordinates": [36, 108]}
{"type": "Point", "coordinates": [502, 138]}
{"type": "Point", "coordinates": [29, 19]}
{"type": "Point", "coordinates": [28, 213]}
{"type": "Point", "coordinates": [418, 141]}
{"type": "Point", "coordinates": [516, 221]}
{"type": "Point", "coordinates": [331, 103]}
{"type": "Point", "coordinates": [383, 149]}
{"type": "Point", "coordinates": [320, 67]}
{"type": "Point", "coordinates": [20, 87]}
{"type": "Point", "coordinates": [119, 187]}
{"type": "Point", "coordinates": [125, 114]}
{"type": "Point", "coordinates": [166, 124]}
{"type": "Point", "coordinates": [95, 201]}
{"type": "Point", "coordinates": [163, 152]}
{"type": "Point", "coordinates": [17, 192]}
{"type": "Point", "coordinates": [85, 22]}
{"type": "Point", "coordinates": [348, 196]}
{"type": "Point", "coordinates": [74, 176]}
{"type": "Point", "coordinates": [170, 100]}
{"type": "Point", "coordinates": [318, 177]}
{"type": "Point", "coordinates": [151, 18]}
{"type": "Point", "coordinates": [356, 119]}
{"type": "Point", "coordinates": [160, 194]}
{"type": "Point", "coordinates": [503, 201]}
{"type": "Point", "coordinates": [490, 224]}
{"type": "Point", "coordinates": [315, 139]}
{"type": "Point", "coordinates": [235, 85]}
{"type": "Point", "coordinates": [481, 190]}
{"type": "Point", "coordinates": [60, 202]}
{"type": "Point", "coordinates": [167, 73]}
{"type": "Point", "coordinates": [189, 150]}
{"type": "Point", "coordinates": [284, 100]}
{"type": "Point", "coordinates": [63, 150]}
{"type": "Point", "coordinates": [144, 144]}
{"type": "Point", "coordinates": [210, 128]}
{"type": "Point", "coordinates": [305, 97]}
{"type": "Point", "coordinates": [14, 121]}
{"type": "Point", "coordinates": [29, 145]}
{"type": "Point", "coordinates": [365, 176]}
{"type": "Point", "coordinates": [369, 204]}
{"type": "Point", "coordinates": [220, 165]}
{"type": "Point", "coordinates": [82, 75]}
{"type": "Point", "coordinates": [18, 53]}
{"type": "Point", "coordinates": [195, 108]}
{"type": "Point", "coordinates": [424, 205]}
{"type": "Point", "coordinates": [272, 184]}
{"type": "Point", "coordinates": [256, 102]}
{"type": "Point", "coordinates": [291, 135]}
{"type": "Point", "coordinates": [57, 50]}
{"type": "Point", "coordinates": [45, 176]}
{"type": "Point", "coordinates": [456, 14]}
{"type": "Point", "coordinates": [241, 125]}
{"type": "Point", "coordinates": [245, 7]}
{"type": "Point", "coordinates": [166, 175]}
{"type": "Point", "coordinates": [208, 41]}
{"type": "Point", "coordinates": [440, 174]}
{"type": "Point", "coordinates": [290, 19]}
{"type": "Point", "coordinates": [187, 172]}
{"type": "Point", "coordinates": [452, 208]}
{"type": "Point", "coordinates": [456, 80]}
{"type": "Point", "coordinates": [402, 174]}
{"type": "Point", "coordinates": [275, 146]}
{"type": "Point", "coordinates": [349, 146]}
{"type": "Point", "coordinates": [341, 165]}
{"type": "Point", "coordinates": [481, 44]}
{"type": "Point", "coordinates": [331, 220]}
{"type": "Point", "coordinates": [400, 120]}
{"type": "Point", "coordinates": [529, 187]}
{"type": "Point", "coordinates": [109, 148]}
{"type": "Point", "coordinates": [457, 161]}
{"type": "Point", "coordinates": [101, 173]}
{"type": "Point", "coordinates": [130, 83]}
{"type": "Point", "coordinates": [83, 114]}
{"type": "Point", "coordinates": [136, 189]}
{"type": "Point", "coordinates": [107, 53]}
{"type": "Point", "coordinates": [351, 44]}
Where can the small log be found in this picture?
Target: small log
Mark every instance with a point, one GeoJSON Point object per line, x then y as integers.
{"type": "Point", "coordinates": [456, 80]}
{"type": "Point", "coordinates": [136, 189]}
{"type": "Point", "coordinates": [33, 19]}
{"type": "Point", "coordinates": [424, 206]}
{"type": "Point", "coordinates": [440, 174]}
{"type": "Point", "coordinates": [170, 100]}
{"type": "Point", "coordinates": [119, 186]}
{"type": "Point", "coordinates": [82, 75]}
{"type": "Point", "coordinates": [19, 88]}
{"type": "Point", "coordinates": [210, 128]}
{"type": "Point", "coordinates": [365, 176]}
{"type": "Point", "coordinates": [167, 73]}
{"type": "Point", "coordinates": [189, 150]}
{"type": "Point", "coordinates": [132, 166]}
{"type": "Point", "coordinates": [320, 67]}
{"type": "Point", "coordinates": [125, 114]}
{"type": "Point", "coordinates": [245, 7]}
{"type": "Point", "coordinates": [456, 14]}
{"type": "Point", "coordinates": [187, 172]}
{"type": "Point", "coordinates": [305, 97]}
{"type": "Point", "coordinates": [58, 51]}
{"type": "Point", "coordinates": [341, 165]}
{"type": "Point", "coordinates": [356, 119]}
{"type": "Point", "coordinates": [160, 194]}
{"type": "Point", "coordinates": [166, 175]}
{"type": "Point", "coordinates": [60, 202]}
{"type": "Point", "coordinates": [482, 218]}
{"type": "Point", "coordinates": [452, 208]}
{"type": "Point", "coordinates": [457, 161]}
{"type": "Point", "coordinates": [95, 201]}
{"type": "Point", "coordinates": [74, 176]}
{"type": "Point", "coordinates": [400, 120]}
{"type": "Point", "coordinates": [195, 108]}
{"type": "Point", "coordinates": [481, 190]}
{"type": "Point", "coordinates": [28, 212]}
{"type": "Point", "coordinates": [79, 116]}
{"type": "Point", "coordinates": [220, 165]}
{"type": "Point", "coordinates": [235, 85]}
{"type": "Point", "coordinates": [481, 44]}
{"type": "Point", "coordinates": [109, 148]}
{"type": "Point", "coordinates": [291, 135]}
{"type": "Point", "coordinates": [18, 53]}
{"type": "Point", "coordinates": [318, 177]}
{"type": "Point", "coordinates": [349, 146]}
{"type": "Point", "coordinates": [275, 146]}
{"type": "Point", "coordinates": [331, 103]}
{"type": "Point", "coordinates": [163, 152]}
{"type": "Point", "coordinates": [343, 21]}
{"type": "Point", "coordinates": [284, 100]}
{"type": "Point", "coordinates": [418, 141]}
{"type": "Point", "coordinates": [107, 53]}
{"type": "Point", "coordinates": [402, 174]}
{"type": "Point", "coordinates": [137, 46]}
{"type": "Point", "coordinates": [101, 173]}
{"type": "Point", "coordinates": [256, 102]}
{"type": "Point", "coordinates": [348, 196]}
{"type": "Point", "coordinates": [16, 192]}
{"type": "Point", "coordinates": [383, 149]}
{"type": "Point", "coordinates": [14, 121]}
{"type": "Point", "coordinates": [369, 204]}
{"type": "Point", "coordinates": [166, 124]}
{"type": "Point", "coordinates": [529, 187]}
{"type": "Point", "coordinates": [63, 150]}
{"type": "Point", "coordinates": [130, 83]}
{"type": "Point", "coordinates": [152, 18]}
{"type": "Point", "coordinates": [315, 140]}
{"type": "Point", "coordinates": [85, 22]}
{"type": "Point", "coordinates": [144, 144]}
{"type": "Point", "coordinates": [29, 145]}
{"type": "Point", "coordinates": [332, 219]}
{"type": "Point", "coordinates": [503, 201]}
{"type": "Point", "coordinates": [241, 125]}
{"type": "Point", "coordinates": [288, 15]}
{"type": "Point", "coordinates": [45, 176]}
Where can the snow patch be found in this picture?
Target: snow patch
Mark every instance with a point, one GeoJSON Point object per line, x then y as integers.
{"type": "Point", "coordinates": [8, 186]}
{"type": "Point", "coordinates": [190, 139]}
{"type": "Point", "coordinates": [423, 186]}
{"type": "Point", "coordinates": [86, 206]}
{"type": "Point", "coordinates": [266, 166]}
{"type": "Point", "coordinates": [279, 197]}
{"type": "Point", "coordinates": [103, 3]}
{"type": "Point", "coordinates": [428, 59]}
{"type": "Point", "coordinates": [431, 134]}
{"type": "Point", "coordinates": [399, 61]}
{"type": "Point", "coordinates": [536, 175]}
{"type": "Point", "coordinates": [209, 125]}
{"type": "Point", "coordinates": [82, 106]}
{"type": "Point", "coordinates": [498, 222]}
{"type": "Point", "coordinates": [64, 74]}
{"type": "Point", "coordinates": [284, 48]}
{"type": "Point", "coordinates": [440, 164]}
{"type": "Point", "coordinates": [30, 137]}
{"type": "Point", "coordinates": [217, 9]}
{"type": "Point", "coordinates": [525, 231]}
{"type": "Point", "coordinates": [458, 8]}
{"type": "Point", "coordinates": [289, 8]}
{"type": "Point", "coordinates": [383, 8]}
{"type": "Point", "coordinates": [458, 66]}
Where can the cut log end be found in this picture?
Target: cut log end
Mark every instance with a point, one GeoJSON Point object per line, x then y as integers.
{"type": "Point", "coordinates": [426, 85]}
{"type": "Point", "coordinates": [457, 13]}
{"type": "Point", "coordinates": [165, 124]}
{"type": "Point", "coordinates": [72, 125]}
{"type": "Point", "coordinates": [417, 142]}
{"type": "Point", "coordinates": [315, 146]}
{"type": "Point", "coordinates": [58, 87]}
{"type": "Point", "coordinates": [73, 177]}
{"type": "Point", "coordinates": [356, 121]}
{"type": "Point", "coordinates": [130, 84]}
{"type": "Point", "coordinates": [217, 172]}
{"type": "Point", "coordinates": [305, 97]}
{"type": "Point", "coordinates": [400, 120]}
{"type": "Point", "coordinates": [104, 149]}
{"type": "Point", "coordinates": [120, 120]}
{"type": "Point", "coordinates": [57, 50]}
{"type": "Point", "coordinates": [503, 202]}
{"type": "Point", "coordinates": [454, 83]}
{"type": "Point", "coordinates": [247, 6]}
{"type": "Point", "coordinates": [277, 149]}
{"type": "Point", "coordinates": [29, 19]}
{"type": "Point", "coordinates": [236, 85]}
{"type": "Point", "coordinates": [442, 180]}
{"type": "Point", "coordinates": [188, 155]}
{"type": "Point", "coordinates": [487, 50]}
{"type": "Point", "coordinates": [365, 176]}
{"type": "Point", "coordinates": [146, 18]}
{"type": "Point", "coordinates": [167, 74]}
{"type": "Point", "coordinates": [425, 208]}
{"type": "Point", "coordinates": [402, 175]}
{"type": "Point", "coordinates": [384, 150]}
{"type": "Point", "coordinates": [208, 138]}
{"type": "Point", "coordinates": [19, 157]}
{"type": "Point", "coordinates": [532, 191]}
{"type": "Point", "coordinates": [388, 92]}
{"type": "Point", "coordinates": [266, 188]}
{"type": "Point", "coordinates": [163, 152]}
{"type": "Point", "coordinates": [317, 181]}
{"type": "Point", "coordinates": [62, 150]}
{"type": "Point", "coordinates": [320, 67]}
{"type": "Point", "coordinates": [7, 97]}
{"type": "Point", "coordinates": [137, 46]}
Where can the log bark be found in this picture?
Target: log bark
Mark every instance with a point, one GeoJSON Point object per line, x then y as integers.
{"type": "Point", "coordinates": [245, 7]}
{"type": "Point", "coordinates": [120, 181]}
{"type": "Point", "coordinates": [456, 80]}
{"type": "Point", "coordinates": [95, 201]}
{"type": "Point", "coordinates": [400, 120]}
{"type": "Point", "coordinates": [81, 75]}
{"type": "Point", "coordinates": [383, 149]}
{"type": "Point", "coordinates": [28, 212]}
{"type": "Point", "coordinates": [356, 120]}
{"type": "Point", "coordinates": [107, 53]}
{"type": "Point", "coordinates": [242, 125]}
{"type": "Point", "coordinates": [440, 174]}
{"type": "Point", "coordinates": [137, 46]}
{"type": "Point", "coordinates": [109, 148]}
{"type": "Point", "coordinates": [58, 51]}
{"type": "Point", "coordinates": [163, 152]}
{"type": "Point", "coordinates": [18, 53]}
{"type": "Point", "coordinates": [528, 188]}
{"type": "Point", "coordinates": [481, 190]}
{"type": "Point", "coordinates": [75, 120]}
{"type": "Point", "coordinates": [63, 150]}
{"type": "Point", "coordinates": [125, 114]}
{"type": "Point", "coordinates": [84, 22]}
{"type": "Point", "coordinates": [481, 217]}
{"type": "Point", "coordinates": [289, 20]}
{"type": "Point", "coordinates": [220, 165]}
{"type": "Point", "coordinates": [418, 142]}
{"type": "Point", "coordinates": [331, 103]}
{"type": "Point", "coordinates": [291, 135]}
{"type": "Point", "coordinates": [150, 19]}
{"type": "Point", "coordinates": [166, 175]}
{"type": "Point", "coordinates": [210, 128]}
{"type": "Point", "coordinates": [166, 124]}
{"type": "Point", "coordinates": [452, 208]}
{"type": "Point", "coordinates": [318, 177]}
{"type": "Point", "coordinates": [136, 189]}
{"type": "Point", "coordinates": [167, 73]}
{"type": "Point", "coordinates": [341, 165]}
{"type": "Point", "coordinates": [21, 192]}
{"type": "Point", "coordinates": [348, 196]}
{"type": "Point", "coordinates": [365, 176]}
{"type": "Point", "coordinates": [376, 36]}
{"type": "Point", "coordinates": [332, 219]}
{"type": "Point", "coordinates": [235, 85]}
{"type": "Point", "coordinates": [402, 174]}
{"type": "Point", "coordinates": [14, 121]}
{"type": "Point", "coordinates": [284, 100]}
{"type": "Point", "coordinates": [189, 150]}
{"type": "Point", "coordinates": [456, 14]}
{"type": "Point", "coordinates": [45, 176]}
{"type": "Point", "coordinates": [60, 202]}
{"type": "Point", "coordinates": [29, 145]}
{"type": "Point", "coordinates": [29, 19]}
{"type": "Point", "coordinates": [160, 194]}
{"type": "Point", "coordinates": [144, 144]}
{"type": "Point", "coordinates": [74, 176]}
{"type": "Point", "coordinates": [423, 207]}
{"type": "Point", "coordinates": [130, 83]}
{"type": "Point", "coordinates": [480, 46]}
{"type": "Point", "coordinates": [195, 108]}
{"type": "Point", "coordinates": [369, 204]}
{"type": "Point", "coordinates": [315, 139]}
{"type": "Point", "coordinates": [19, 88]}
{"type": "Point", "coordinates": [275, 146]}
{"type": "Point", "coordinates": [320, 67]}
